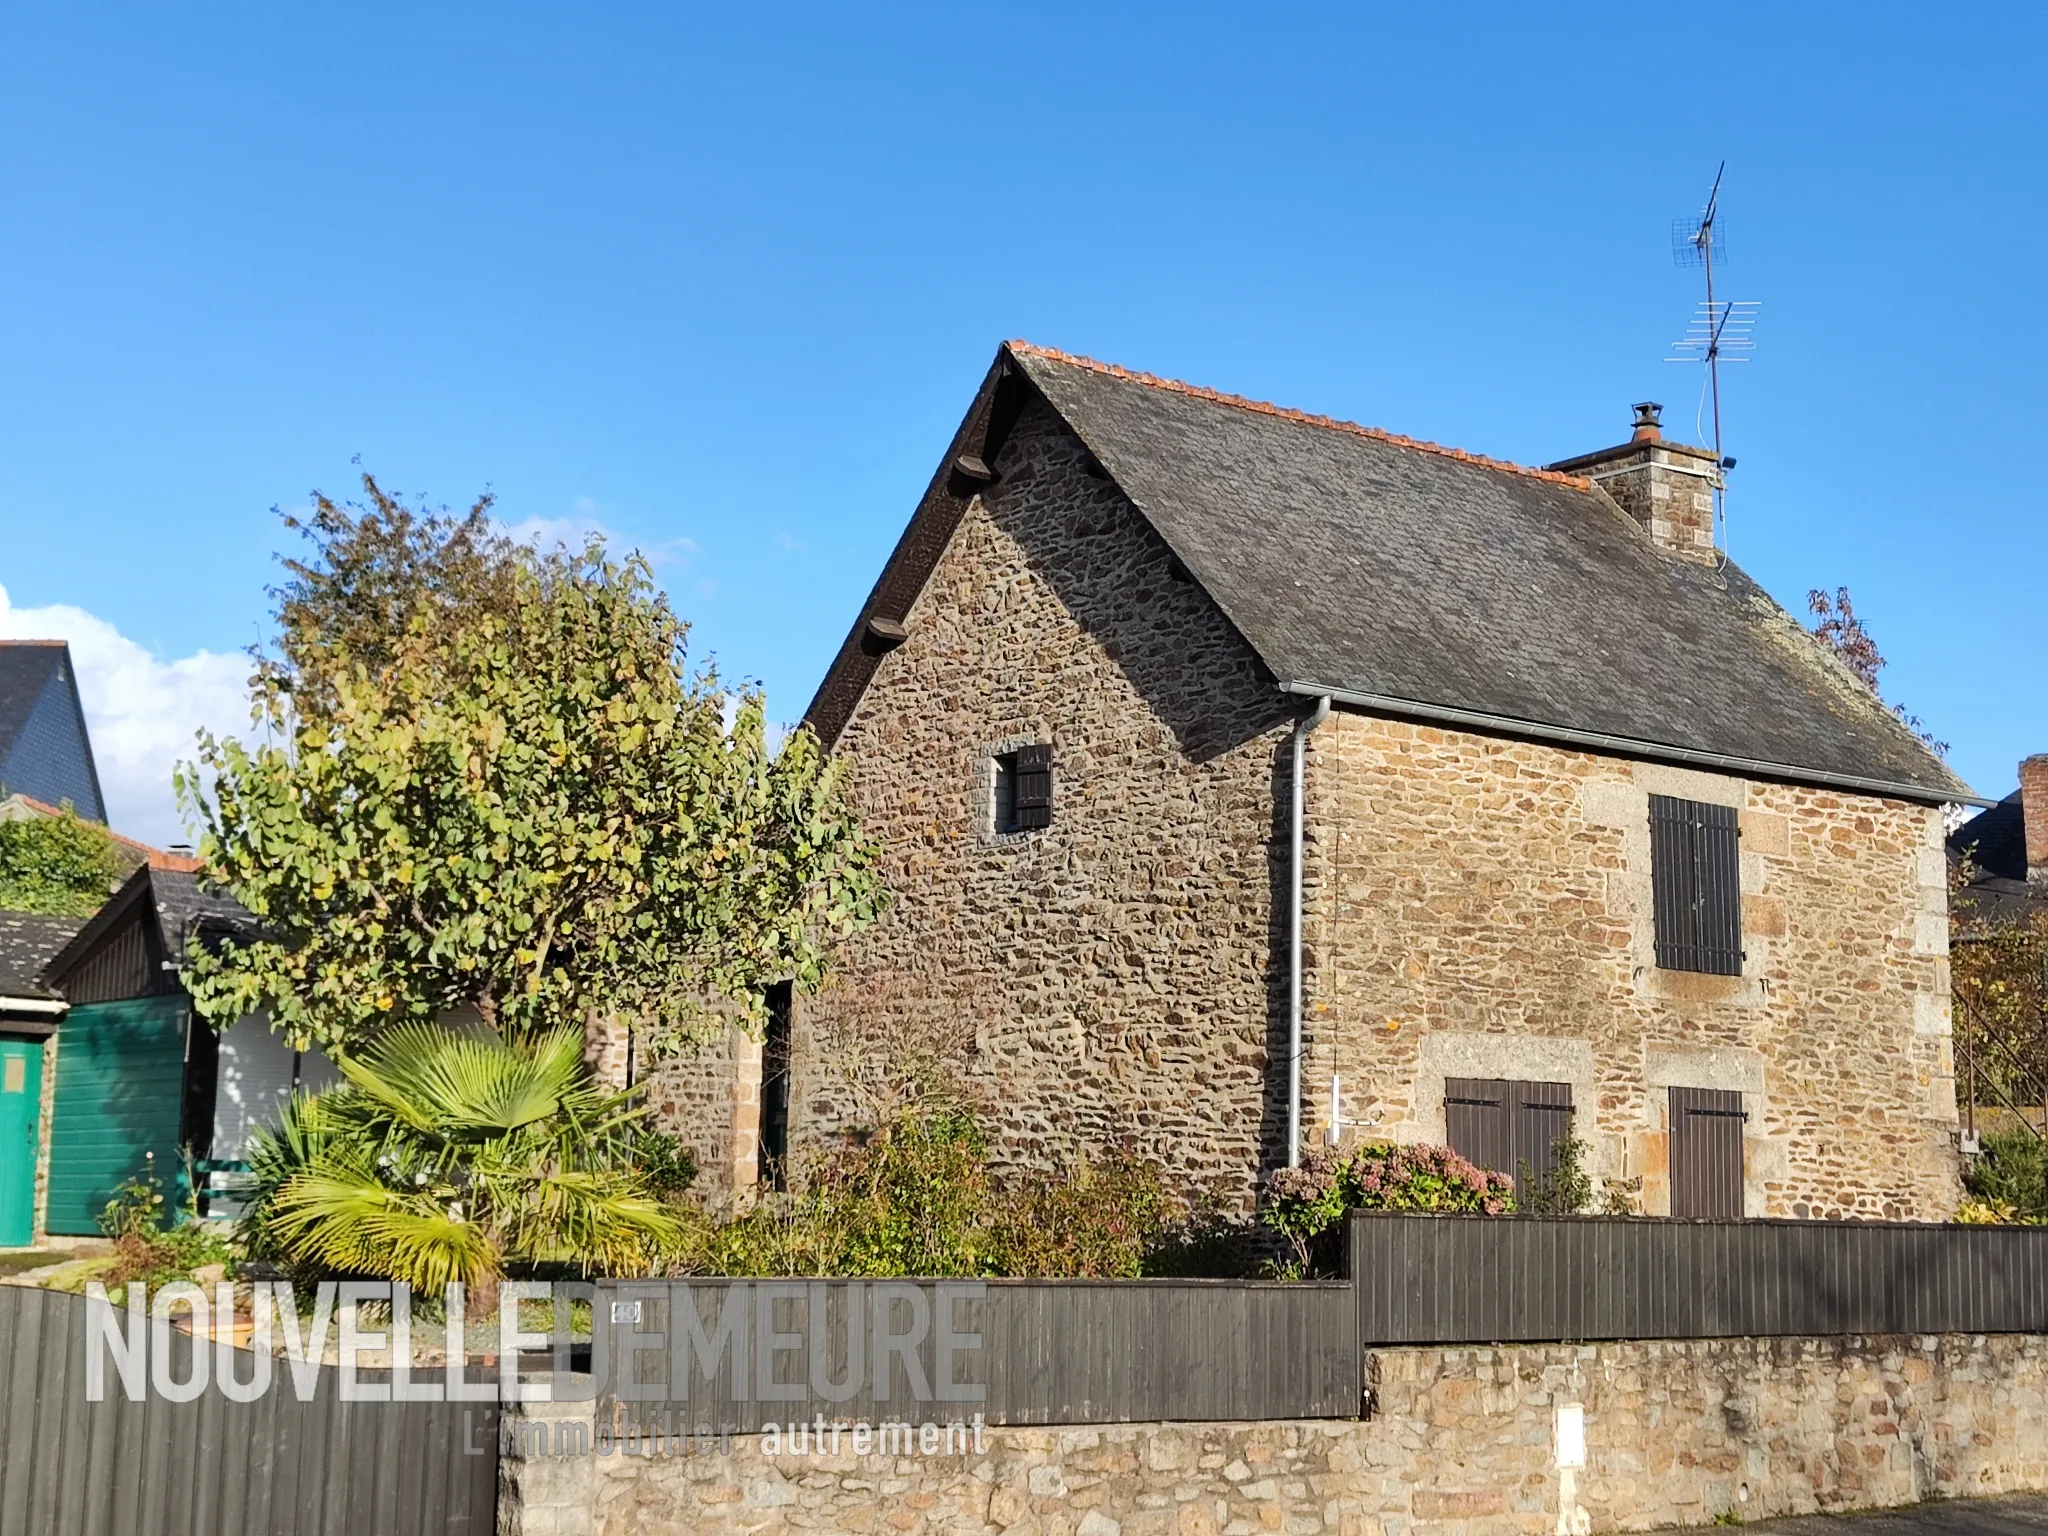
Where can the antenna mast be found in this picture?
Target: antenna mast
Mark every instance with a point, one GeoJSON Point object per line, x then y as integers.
{"type": "Point", "coordinates": [1720, 330]}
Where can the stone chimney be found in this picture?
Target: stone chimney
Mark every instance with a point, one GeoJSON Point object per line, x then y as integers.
{"type": "Point", "coordinates": [1667, 487]}
{"type": "Point", "coordinates": [2034, 815]}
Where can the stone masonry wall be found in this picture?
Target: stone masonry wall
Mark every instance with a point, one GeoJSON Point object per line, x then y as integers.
{"type": "Point", "coordinates": [707, 1095]}
{"type": "Point", "coordinates": [1482, 908]}
{"type": "Point", "coordinates": [1104, 981]}
{"type": "Point", "coordinates": [1478, 906]}
{"type": "Point", "coordinates": [1460, 1442]}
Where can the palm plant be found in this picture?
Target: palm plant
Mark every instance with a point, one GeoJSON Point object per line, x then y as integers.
{"type": "Point", "coordinates": [452, 1154]}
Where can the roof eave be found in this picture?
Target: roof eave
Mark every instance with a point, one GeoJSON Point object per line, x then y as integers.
{"type": "Point", "coordinates": [1626, 746]}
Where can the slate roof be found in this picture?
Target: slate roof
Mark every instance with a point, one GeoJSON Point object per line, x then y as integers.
{"type": "Point", "coordinates": [44, 748]}
{"type": "Point", "coordinates": [1995, 841]}
{"type": "Point", "coordinates": [180, 903]}
{"type": "Point", "coordinates": [1391, 572]}
{"type": "Point", "coordinates": [28, 940]}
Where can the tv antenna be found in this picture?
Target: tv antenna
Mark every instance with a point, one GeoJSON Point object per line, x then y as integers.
{"type": "Point", "coordinates": [1721, 330]}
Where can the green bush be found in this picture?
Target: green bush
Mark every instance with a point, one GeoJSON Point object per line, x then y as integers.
{"type": "Point", "coordinates": [1306, 1205]}
{"type": "Point", "coordinates": [154, 1242]}
{"type": "Point", "coordinates": [921, 1198]}
{"type": "Point", "coordinates": [2012, 1171]}
{"type": "Point", "coordinates": [63, 865]}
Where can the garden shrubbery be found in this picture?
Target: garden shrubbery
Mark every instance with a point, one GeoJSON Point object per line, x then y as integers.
{"type": "Point", "coordinates": [2008, 1180]}
{"type": "Point", "coordinates": [920, 1197]}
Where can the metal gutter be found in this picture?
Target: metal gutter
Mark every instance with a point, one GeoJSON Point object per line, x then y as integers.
{"type": "Point", "coordinates": [1629, 746]}
{"type": "Point", "coordinates": [32, 1005]}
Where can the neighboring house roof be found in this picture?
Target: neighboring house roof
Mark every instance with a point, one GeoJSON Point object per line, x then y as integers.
{"type": "Point", "coordinates": [132, 851]}
{"type": "Point", "coordinates": [1995, 843]}
{"type": "Point", "coordinates": [1409, 578]}
{"type": "Point", "coordinates": [180, 905]}
{"type": "Point", "coordinates": [44, 748]}
{"type": "Point", "coordinates": [28, 942]}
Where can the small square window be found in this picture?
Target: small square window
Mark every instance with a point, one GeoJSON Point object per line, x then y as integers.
{"type": "Point", "coordinates": [1022, 784]}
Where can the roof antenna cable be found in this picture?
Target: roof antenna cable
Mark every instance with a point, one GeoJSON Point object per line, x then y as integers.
{"type": "Point", "coordinates": [1721, 330]}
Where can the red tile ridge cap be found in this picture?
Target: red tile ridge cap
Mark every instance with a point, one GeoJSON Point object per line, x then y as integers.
{"type": "Point", "coordinates": [159, 858]}
{"type": "Point", "coordinates": [34, 642]}
{"type": "Point", "coordinates": [1306, 418]}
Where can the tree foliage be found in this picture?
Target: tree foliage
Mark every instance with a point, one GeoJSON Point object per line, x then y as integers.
{"type": "Point", "coordinates": [1837, 627]}
{"type": "Point", "coordinates": [453, 1155]}
{"type": "Point", "coordinates": [62, 865]}
{"type": "Point", "coordinates": [492, 781]}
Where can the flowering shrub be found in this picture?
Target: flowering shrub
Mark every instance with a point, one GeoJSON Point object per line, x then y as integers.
{"type": "Point", "coordinates": [1306, 1205]}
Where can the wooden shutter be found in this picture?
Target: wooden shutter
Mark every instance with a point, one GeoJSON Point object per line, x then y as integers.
{"type": "Point", "coordinates": [1706, 1153]}
{"type": "Point", "coordinates": [1539, 1118]}
{"type": "Point", "coordinates": [1034, 788]}
{"type": "Point", "coordinates": [1696, 886]}
{"type": "Point", "coordinates": [1476, 1121]}
{"type": "Point", "coordinates": [1501, 1125]}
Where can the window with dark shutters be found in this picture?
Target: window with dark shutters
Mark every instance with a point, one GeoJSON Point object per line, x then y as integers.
{"type": "Point", "coordinates": [1696, 886]}
{"type": "Point", "coordinates": [1706, 1153]}
{"type": "Point", "coordinates": [1022, 785]}
{"type": "Point", "coordinates": [1503, 1125]}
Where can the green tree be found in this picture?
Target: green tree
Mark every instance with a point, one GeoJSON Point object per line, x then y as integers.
{"type": "Point", "coordinates": [493, 782]}
{"type": "Point", "coordinates": [454, 1155]}
{"type": "Point", "coordinates": [63, 865]}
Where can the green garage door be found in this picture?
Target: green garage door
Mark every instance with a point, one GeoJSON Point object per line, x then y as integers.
{"type": "Point", "coordinates": [120, 1093]}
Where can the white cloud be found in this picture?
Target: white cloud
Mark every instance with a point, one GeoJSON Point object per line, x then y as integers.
{"type": "Point", "coordinates": [583, 524]}
{"type": "Point", "coordinates": [143, 713]}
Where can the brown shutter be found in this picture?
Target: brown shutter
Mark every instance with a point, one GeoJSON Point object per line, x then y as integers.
{"type": "Point", "coordinates": [1034, 788]}
{"type": "Point", "coordinates": [1541, 1117]}
{"type": "Point", "coordinates": [1696, 886]}
{"type": "Point", "coordinates": [1476, 1121]}
{"type": "Point", "coordinates": [1501, 1125]}
{"type": "Point", "coordinates": [1706, 1154]}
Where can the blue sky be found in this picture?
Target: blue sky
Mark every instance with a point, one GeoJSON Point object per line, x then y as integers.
{"type": "Point", "coordinates": [721, 281]}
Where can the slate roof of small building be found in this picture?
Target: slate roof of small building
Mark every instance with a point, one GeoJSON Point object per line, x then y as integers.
{"type": "Point", "coordinates": [180, 903]}
{"type": "Point", "coordinates": [1995, 843]}
{"type": "Point", "coordinates": [28, 941]}
{"type": "Point", "coordinates": [1361, 563]}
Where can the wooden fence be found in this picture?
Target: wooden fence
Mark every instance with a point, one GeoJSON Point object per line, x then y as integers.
{"type": "Point", "coordinates": [1042, 1352]}
{"type": "Point", "coordinates": [1453, 1280]}
{"type": "Point", "coordinates": [210, 1467]}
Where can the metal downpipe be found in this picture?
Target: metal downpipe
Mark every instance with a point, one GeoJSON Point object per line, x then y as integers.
{"type": "Point", "coordinates": [1308, 723]}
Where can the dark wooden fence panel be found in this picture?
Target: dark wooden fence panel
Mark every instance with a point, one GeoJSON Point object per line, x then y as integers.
{"type": "Point", "coordinates": [1454, 1279]}
{"type": "Point", "coordinates": [1052, 1352]}
{"type": "Point", "coordinates": [273, 1467]}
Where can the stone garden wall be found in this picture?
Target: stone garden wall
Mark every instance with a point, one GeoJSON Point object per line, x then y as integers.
{"type": "Point", "coordinates": [1459, 1442]}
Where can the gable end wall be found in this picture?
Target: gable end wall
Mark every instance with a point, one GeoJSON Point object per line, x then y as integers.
{"type": "Point", "coordinates": [1105, 982]}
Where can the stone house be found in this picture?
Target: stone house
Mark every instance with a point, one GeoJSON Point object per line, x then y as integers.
{"type": "Point", "coordinates": [1250, 780]}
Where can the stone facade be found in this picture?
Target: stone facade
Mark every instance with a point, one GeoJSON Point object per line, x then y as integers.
{"type": "Point", "coordinates": [1481, 908]}
{"type": "Point", "coordinates": [707, 1095]}
{"type": "Point", "coordinates": [1114, 968]}
{"type": "Point", "coordinates": [1477, 906]}
{"type": "Point", "coordinates": [1460, 1442]}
